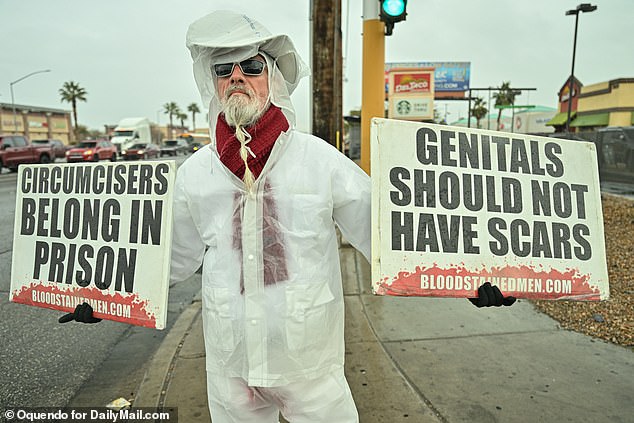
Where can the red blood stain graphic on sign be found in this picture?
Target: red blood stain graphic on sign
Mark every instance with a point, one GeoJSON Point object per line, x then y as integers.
{"type": "Point", "coordinates": [127, 308]}
{"type": "Point", "coordinates": [518, 281]}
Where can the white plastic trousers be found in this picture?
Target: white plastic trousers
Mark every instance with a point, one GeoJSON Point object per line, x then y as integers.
{"type": "Point", "coordinates": [326, 399]}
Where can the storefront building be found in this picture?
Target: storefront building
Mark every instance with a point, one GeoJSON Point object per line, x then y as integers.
{"type": "Point", "coordinates": [608, 103]}
{"type": "Point", "coordinates": [35, 122]}
{"type": "Point", "coordinates": [597, 106]}
{"type": "Point", "coordinates": [565, 99]}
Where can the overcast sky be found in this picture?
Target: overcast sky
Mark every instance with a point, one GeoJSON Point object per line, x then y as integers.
{"type": "Point", "coordinates": [130, 55]}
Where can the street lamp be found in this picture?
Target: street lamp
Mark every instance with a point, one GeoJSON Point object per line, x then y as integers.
{"type": "Point", "coordinates": [583, 7]}
{"type": "Point", "coordinates": [15, 122]}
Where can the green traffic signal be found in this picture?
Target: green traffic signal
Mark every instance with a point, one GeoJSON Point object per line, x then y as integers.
{"type": "Point", "coordinates": [393, 8]}
{"type": "Point", "coordinates": [392, 11]}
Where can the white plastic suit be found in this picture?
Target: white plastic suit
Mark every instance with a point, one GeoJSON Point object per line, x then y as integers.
{"type": "Point", "coordinates": [287, 327]}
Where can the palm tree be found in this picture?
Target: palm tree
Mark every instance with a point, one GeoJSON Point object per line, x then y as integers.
{"type": "Point", "coordinates": [504, 97]}
{"type": "Point", "coordinates": [181, 116]}
{"type": "Point", "coordinates": [171, 109]}
{"type": "Point", "coordinates": [193, 108]}
{"type": "Point", "coordinates": [71, 92]}
{"type": "Point", "coordinates": [479, 110]}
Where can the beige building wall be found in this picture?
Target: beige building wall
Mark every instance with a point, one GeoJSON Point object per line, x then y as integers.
{"type": "Point", "coordinates": [7, 122]}
{"type": "Point", "coordinates": [35, 122]}
{"type": "Point", "coordinates": [620, 119]}
{"type": "Point", "coordinates": [592, 99]}
{"type": "Point", "coordinates": [60, 128]}
{"type": "Point", "coordinates": [615, 97]}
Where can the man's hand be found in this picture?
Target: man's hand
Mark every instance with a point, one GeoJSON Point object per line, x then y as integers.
{"type": "Point", "coordinates": [490, 295]}
{"type": "Point", "coordinates": [82, 313]}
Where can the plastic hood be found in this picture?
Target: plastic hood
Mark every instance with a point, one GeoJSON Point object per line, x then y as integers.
{"type": "Point", "coordinates": [223, 37]}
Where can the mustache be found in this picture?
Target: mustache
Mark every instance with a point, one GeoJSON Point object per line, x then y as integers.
{"type": "Point", "coordinates": [238, 88]}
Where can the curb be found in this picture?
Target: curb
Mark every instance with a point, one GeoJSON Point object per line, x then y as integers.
{"type": "Point", "coordinates": [153, 388]}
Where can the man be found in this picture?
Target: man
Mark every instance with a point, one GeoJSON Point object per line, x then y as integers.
{"type": "Point", "coordinates": [258, 210]}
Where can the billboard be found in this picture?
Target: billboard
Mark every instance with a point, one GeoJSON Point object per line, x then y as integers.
{"type": "Point", "coordinates": [411, 93]}
{"type": "Point", "coordinates": [448, 76]}
{"type": "Point", "coordinates": [96, 233]}
{"type": "Point", "coordinates": [453, 208]}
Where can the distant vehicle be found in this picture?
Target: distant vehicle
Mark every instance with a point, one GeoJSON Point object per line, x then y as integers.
{"type": "Point", "coordinates": [192, 137]}
{"type": "Point", "coordinates": [131, 131]}
{"type": "Point", "coordinates": [59, 148]}
{"type": "Point", "coordinates": [565, 136]}
{"type": "Point", "coordinates": [174, 147]}
{"type": "Point", "coordinates": [92, 151]}
{"type": "Point", "coordinates": [615, 148]}
{"type": "Point", "coordinates": [141, 151]}
{"type": "Point", "coordinates": [195, 146]}
{"type": "Point", "coordinates": [16, 150]}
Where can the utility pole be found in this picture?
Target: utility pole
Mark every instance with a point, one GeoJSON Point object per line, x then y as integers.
{"type": "Point", "coordinates": [373, 85]}
{"type": "Point", "coordinates": [327, 68]}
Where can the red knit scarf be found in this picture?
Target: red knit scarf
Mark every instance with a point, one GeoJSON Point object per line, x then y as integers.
{"type": "Point", "coordinates": [263, 136]}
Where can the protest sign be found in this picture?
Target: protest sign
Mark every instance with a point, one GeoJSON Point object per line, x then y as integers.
{"type": "Point", "coordinates": [99, 233]}
{"type": "Point", "coordinates": [454, 207]}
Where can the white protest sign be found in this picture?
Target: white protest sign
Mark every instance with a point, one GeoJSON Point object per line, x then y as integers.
{"type": "Point", "coordinates": [99, 233]}
{"type": "Point", "coordinates": [453, 208]}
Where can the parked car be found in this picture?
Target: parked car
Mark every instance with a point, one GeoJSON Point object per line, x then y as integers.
{"type": "Point", "coordinates": [59, 149]}
{"type": "Point", "coordinates": [195, 146]}
{"type": "Point", "coordinates": [174, 147]}
{"type": "Point", "coordinates": [92, 151]}
{"type": "Point", "coordinates": [16, 150]}
{"type": "Point", "coordinates": [141, 151]}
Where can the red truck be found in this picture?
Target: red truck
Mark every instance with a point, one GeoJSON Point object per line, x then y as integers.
{"type": "Point", "coordinates": [16, 150]}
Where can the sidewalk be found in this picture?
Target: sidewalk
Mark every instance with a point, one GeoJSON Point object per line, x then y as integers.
{"type": "Point", "coordinates": [433, 360]}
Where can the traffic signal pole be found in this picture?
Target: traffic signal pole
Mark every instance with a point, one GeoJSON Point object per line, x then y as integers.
{"type": "Point", "coordinates": [373, 79]}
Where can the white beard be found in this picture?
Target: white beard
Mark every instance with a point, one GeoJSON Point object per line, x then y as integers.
{"type": "Point", "coordinates": [242, 110]}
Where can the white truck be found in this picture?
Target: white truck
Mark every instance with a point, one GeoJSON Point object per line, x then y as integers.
{"type": "Point", "coordinates": [131, 131]}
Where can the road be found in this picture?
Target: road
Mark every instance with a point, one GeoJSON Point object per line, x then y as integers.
{"type": "Point", "coordinates": [44, 363]}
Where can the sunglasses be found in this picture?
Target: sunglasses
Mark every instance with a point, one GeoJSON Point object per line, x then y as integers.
{"type": "Point", "coordinates": [250, 67]}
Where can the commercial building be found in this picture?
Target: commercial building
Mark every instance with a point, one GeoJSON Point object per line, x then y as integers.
{"type": "Point", "coordinates": [489, 121]}
{"type": "Point", "coordinates": [609, 103]}
{"type": "Point", "coordinates": [533, 120]}
{"type": "Point", "coordinates": [35, 122]}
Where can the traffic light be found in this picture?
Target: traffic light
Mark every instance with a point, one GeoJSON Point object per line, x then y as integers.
{"type": "Point", "coordinates": [392, 11]}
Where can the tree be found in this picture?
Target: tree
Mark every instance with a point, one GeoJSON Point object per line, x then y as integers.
{"type": "Point", "coordinates": [71, 92]}
{"type": "Point", "coordinates": [193, 108]}
{"type": "Point", "coordinates": [504, 97]}
{"type": "Point", "coordinates": [83, 133]}
{"type": "Point", "coordinates": [171, 109]}
{"type": "Point", "coordinates": [181, 116]}
{"type": "Point", "coordinates": [479, 110]}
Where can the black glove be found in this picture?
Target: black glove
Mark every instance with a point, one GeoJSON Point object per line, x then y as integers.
{"type": "Point", "coordinates": [82, 313]}
{"type": "Point", "coordinates": [490, 295]}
